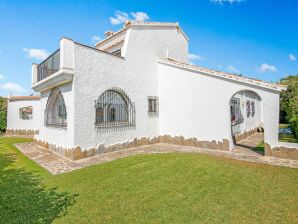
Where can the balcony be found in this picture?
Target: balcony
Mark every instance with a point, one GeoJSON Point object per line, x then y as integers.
{"type": "Point", "coordinates": [56, 70]}
{"type": "Point", "coordinates": [49, 66]}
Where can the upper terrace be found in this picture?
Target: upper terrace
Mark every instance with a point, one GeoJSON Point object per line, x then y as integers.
{"type": "Point", "coordinates": [58, 68]}
{"type": "Point", "coordinates": [55, 70]}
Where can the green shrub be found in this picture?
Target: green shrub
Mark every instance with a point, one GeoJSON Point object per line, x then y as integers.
{"type": "Point", "coordinates": [294, 124]}
{"type": "Point", "coordinates": [3, 113]}
{"type": "Point", "coordinates": [289, 98]}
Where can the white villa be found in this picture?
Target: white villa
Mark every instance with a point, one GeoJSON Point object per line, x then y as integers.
{"type": "Point", "coordinates": [136, 87]}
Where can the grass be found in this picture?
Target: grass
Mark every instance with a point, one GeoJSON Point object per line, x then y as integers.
{"type": "Point", "coordinates": [287, 137]}
{"type": "Point", "coordinates": [260, 147]}
{"type": "Point", "coordinates": [158, 188]}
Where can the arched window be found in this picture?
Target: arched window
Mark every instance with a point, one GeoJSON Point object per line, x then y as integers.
{"type": "Point", "coordinates": [55, 114]}
{"type": "Point", "coordinates": [114, 108]}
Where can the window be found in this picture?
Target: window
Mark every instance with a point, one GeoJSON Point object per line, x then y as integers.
{"type": "Point", "coordinates": [152, 105]}
{"type": "Point", "coordinates": [55, 114]}
{"type": "Point", "coordinates": [117, 52]}
{"type": "Point", "coordinates": [236, 117]}
{"type": "Point", "coordinates": [26, 113]}
{"type": "Point", "coordinates": [253, 110]}
{"type": "Point", "coordinates": [114, 108]}
{"type": "Point", "coordinates": [248, 108]}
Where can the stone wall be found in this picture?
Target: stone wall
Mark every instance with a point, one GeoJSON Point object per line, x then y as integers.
{"type": "Point", "coordinates": [77, 153]}
{"type": "Point", "coordinates": [245, 134]}
{"type": "Point", "coordinates": [281, 152]}
{"type": "Point", "coordinates": [21, 132]}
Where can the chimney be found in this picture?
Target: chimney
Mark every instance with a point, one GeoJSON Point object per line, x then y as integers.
{"type": "Point", "coordinates": [109, 33]}
{"type": "Point", "coordinates": [127, 23]}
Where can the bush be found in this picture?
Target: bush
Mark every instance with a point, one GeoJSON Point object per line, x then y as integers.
{"type": "Point", "coordinates": [3, 113]}
{"type": "Point", "coordinates": [294, 124]}
{"type": "Point", "coordinates": [289, 98]}
{"type": "Point", "coordinates": [289, 102]}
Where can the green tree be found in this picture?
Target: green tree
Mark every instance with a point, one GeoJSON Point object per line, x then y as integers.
{"type": "Point", "coordinates": [3, 113]}
{"type": "Point", "coordinates": [289, 101]}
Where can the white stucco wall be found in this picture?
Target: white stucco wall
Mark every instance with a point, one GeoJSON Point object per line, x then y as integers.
{"type": "Point", "coordinates": [197, 105]}
{"type": "Point", "coordinates": [63, 137]}
{"type": "Point", "coordinates": [97, 72]}
{"type": "Point", "coordinates": [13, 115]}
{"type": "Point", "coordinates": [136, 74]}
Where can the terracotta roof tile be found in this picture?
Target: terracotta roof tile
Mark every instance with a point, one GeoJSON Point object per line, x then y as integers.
{"type": "Point", "coordinates": [19, 98]}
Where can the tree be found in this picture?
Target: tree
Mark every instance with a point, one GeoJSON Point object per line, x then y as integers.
{"type": "Point", "coordinates": [289, 101]}
{"type": "Point", "coordinates": [3, 113]}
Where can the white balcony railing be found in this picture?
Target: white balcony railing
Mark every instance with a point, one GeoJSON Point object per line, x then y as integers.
{"type": "Point", "coordinates": [49, 66]}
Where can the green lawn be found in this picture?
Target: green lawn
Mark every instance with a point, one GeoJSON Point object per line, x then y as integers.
{"type": "Point", "coordinates": [159, 188]}
{"type": "Point", "coordinates": [260, 148]}
{"type": "Point", "coordinates": [287, 137]}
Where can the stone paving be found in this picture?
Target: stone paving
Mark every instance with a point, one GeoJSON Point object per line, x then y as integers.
{"type": "Point", "coordinates": [246, 145]}
{"type": "Point", "coordinates": [57, 164]}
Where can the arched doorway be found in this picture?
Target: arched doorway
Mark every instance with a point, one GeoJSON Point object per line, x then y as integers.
{"type": "Point", "coordinates": [246, 117]}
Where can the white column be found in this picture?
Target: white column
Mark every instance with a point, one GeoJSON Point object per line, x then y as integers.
{"type": "Point", "coordinates": [34, 73]}
{"type": "Point", "coordinates": [66, 54]}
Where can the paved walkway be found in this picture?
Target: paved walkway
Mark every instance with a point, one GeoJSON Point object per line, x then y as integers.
{"type": "Point", "coordinates": [247, 145]}
{"type": "Point", "coordinates": [57, 164]}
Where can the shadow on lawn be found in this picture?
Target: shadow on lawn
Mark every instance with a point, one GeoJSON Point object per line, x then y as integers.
{"type": "Point", "coordinates": [24, 199]}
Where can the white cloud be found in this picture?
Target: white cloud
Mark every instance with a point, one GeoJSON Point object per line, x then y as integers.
{"type": "Point", "coordinates": [140, 16]}
{"type": "Point", "coordinates": [221, 2]}
{"type": "Point", "coordinates": [39, 54]}
{"type": "Point", "coordinates": [231, 68]}
{"type": "Point", "coordinates": [194, 57]}
{"type": "Point", "coordinates": [292, 57]}
{"type": "Point", "coordinates": [95, 39]}
{"type": "Point", "coordinates": [12, 87]}
{"type": "Point", "coordinates": [267, 68]}
{"type": "Point", "coordinates": [1, 76]}
{"type": "Point", "coordinates": [122, 17]}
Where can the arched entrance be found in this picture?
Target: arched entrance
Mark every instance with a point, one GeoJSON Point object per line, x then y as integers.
{"type": "Point", "coordinates": [246, 117]}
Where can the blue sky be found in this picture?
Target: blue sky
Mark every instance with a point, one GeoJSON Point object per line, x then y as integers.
{"type": "Point", "coordinates": [257, 38]}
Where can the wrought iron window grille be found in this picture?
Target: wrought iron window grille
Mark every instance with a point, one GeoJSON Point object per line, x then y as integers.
{"type": "Point", "coordinates": [253, 109]}
{"type": "Point", "coordinates": [248, 108]}
{"type": "Point", "coordinates": [236, 116]}
{"type": "Point", "coordinates": [55, 113]}
{"type": "Point", "coordinates": [113, 108]}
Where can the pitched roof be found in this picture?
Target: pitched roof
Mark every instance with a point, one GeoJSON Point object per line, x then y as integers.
{"type": "Point", "coordinates": [251, 81]}
{"type": "Point", "coordinates": [135, 23]}
{"type": "Point", "coordinates": [20, 98]}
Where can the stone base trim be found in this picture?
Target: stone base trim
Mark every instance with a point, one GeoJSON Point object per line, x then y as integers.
{"type": "Point", "coordinates": [281, 152]}
{"type": "Point", "coordinates": [21, 132]}
{"type": "Point", "coordinates": [77, 153]}
{"type": "Point", "coordinates": [245, 134]}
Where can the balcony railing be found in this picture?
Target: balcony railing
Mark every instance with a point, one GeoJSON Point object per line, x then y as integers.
{"type": "Point", "coordinates": [49, 66]}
